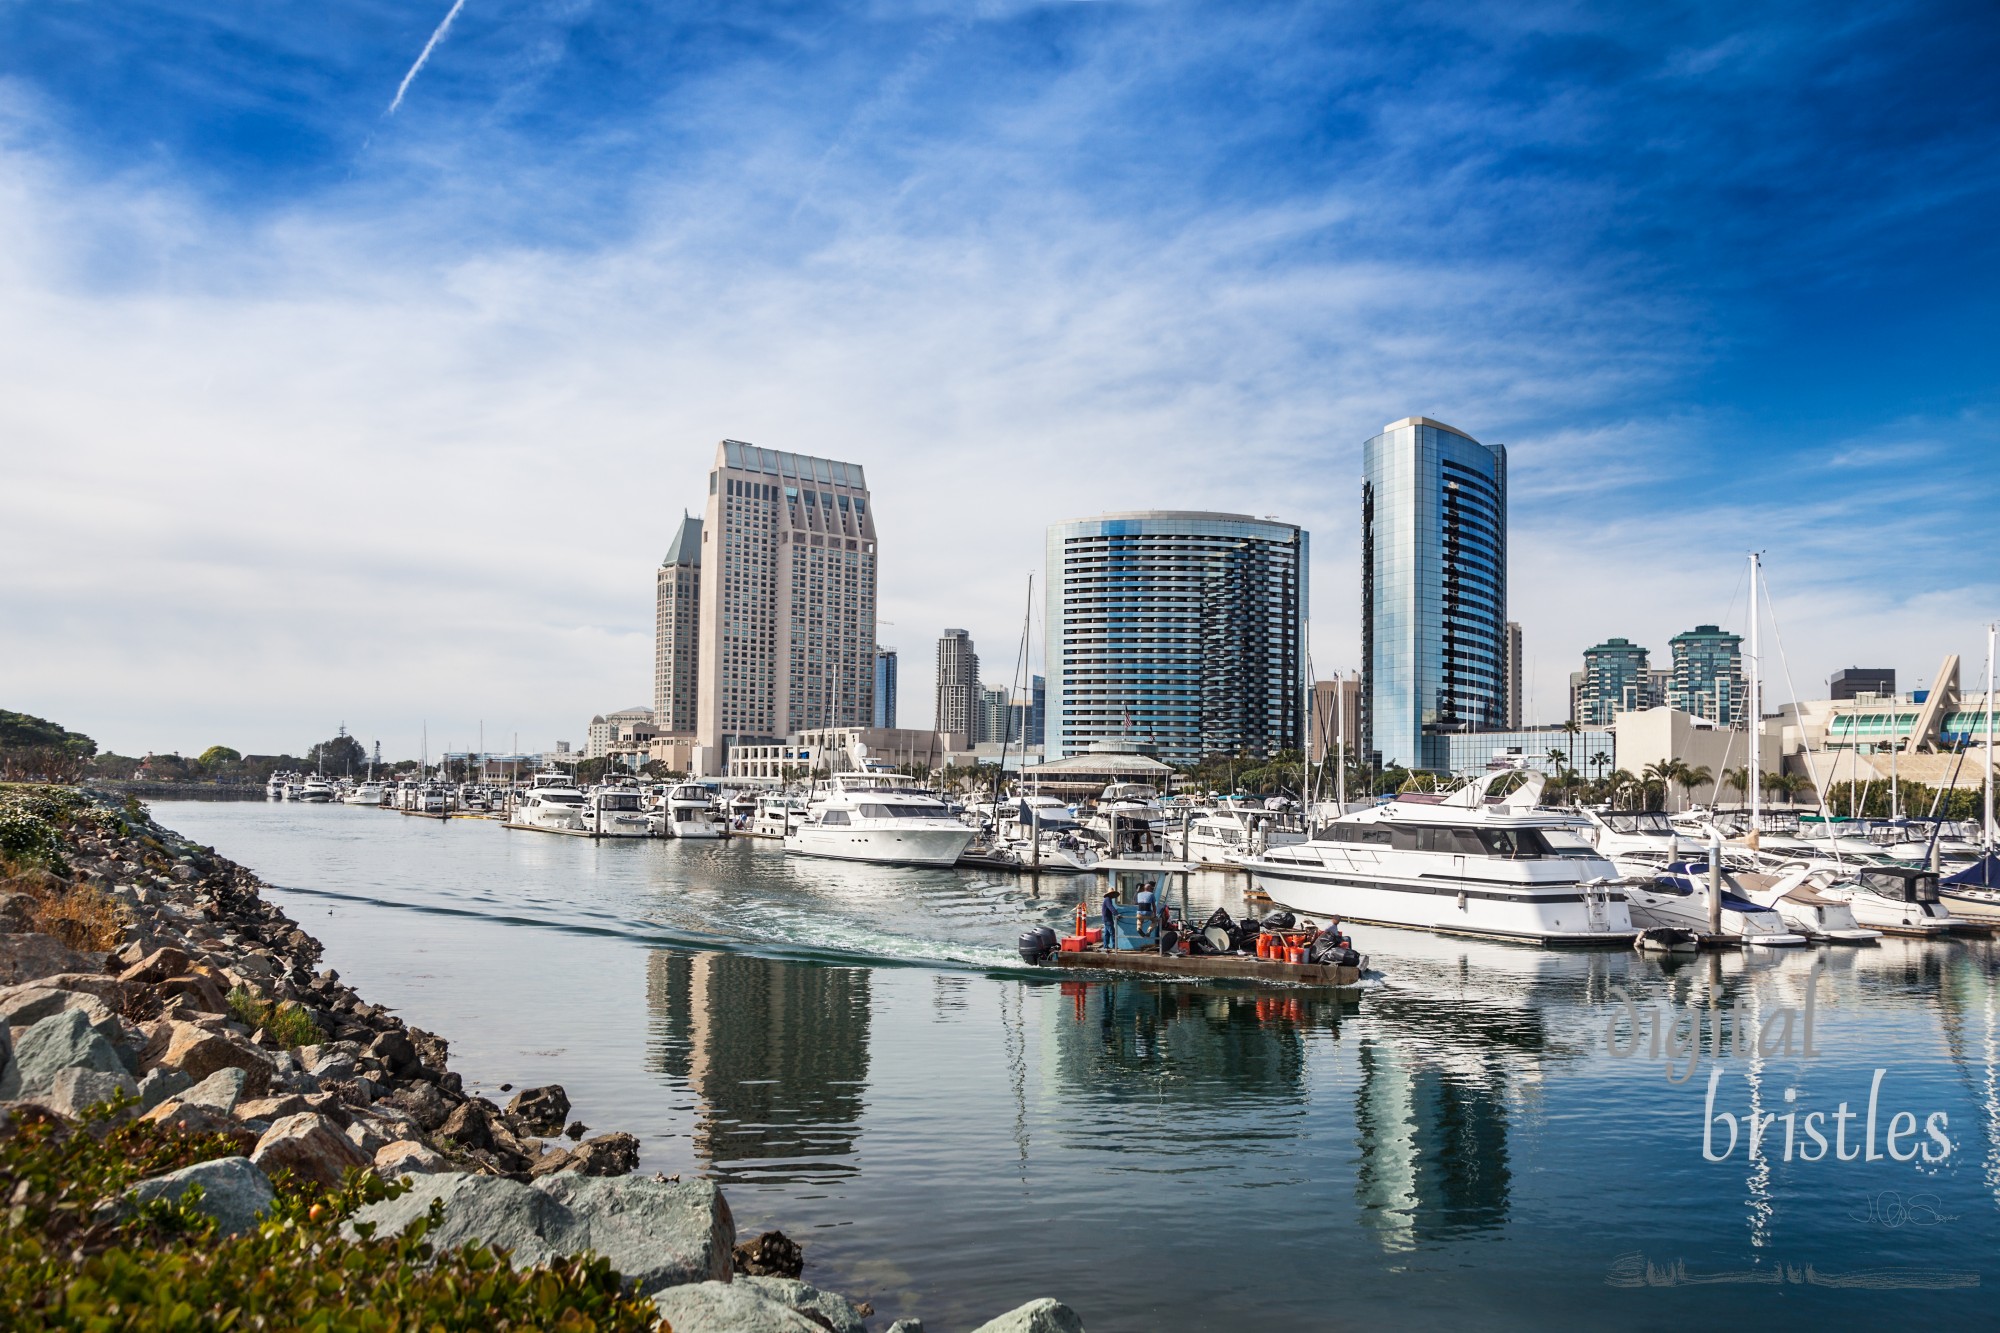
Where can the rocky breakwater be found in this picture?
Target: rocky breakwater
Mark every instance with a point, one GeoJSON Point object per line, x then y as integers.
{"type": "Point", "coordinates": [142, 970]}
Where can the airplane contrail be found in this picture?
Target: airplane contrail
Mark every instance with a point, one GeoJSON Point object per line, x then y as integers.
{"type": "Point", "coordinates": [424, 55]}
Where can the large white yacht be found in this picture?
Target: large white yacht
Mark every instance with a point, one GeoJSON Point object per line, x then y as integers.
{"type": "Point", "coordinates": [689, 812]}
{"type": "Point", "coordinates": [369, 792]}
{"type": "Point", "coordinates": [317, 790]}
{"type": "Point", "coordinates": [1480, 860]}
{"type": "Point", "coordinates": [776, 814]}
{"type": "Point", "coordinates": [880, 817]}
{"type": "Point", "coordinates": [616, 812]}
{"type": "Point", "coordinates": [1639, 842]}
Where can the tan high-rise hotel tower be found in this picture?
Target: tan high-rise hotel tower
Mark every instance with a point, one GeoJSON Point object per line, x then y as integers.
{"type": "Point", "coordinates": [787, 597]}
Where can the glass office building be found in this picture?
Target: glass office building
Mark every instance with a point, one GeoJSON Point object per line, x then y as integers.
{"type": "Point", "coordinates": [1434, 591]}
{"type": "Point", "coordinates": [1180, 631]}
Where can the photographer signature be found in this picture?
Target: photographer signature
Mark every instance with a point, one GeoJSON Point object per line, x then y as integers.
{"type": "Point", "coordinates": [1891, 1210]}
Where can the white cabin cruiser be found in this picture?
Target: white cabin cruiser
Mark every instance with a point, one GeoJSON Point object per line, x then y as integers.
{"type": "Point", "coordinates": [1898, 899]}
{"type": "Point", "coordinates": [1224, 836]}
{"type": "Point", "coordinates": [551, 809]}
{"type": "Point", "coordinates": [1677, 899]}
{"type": "Point", "coordinates": [1639, 842]}
{"type": "Point", "coordinates": [689, 811]}
{"type": "Point", "coordinates": [880, 817]}
{"type": "Point", "coordinates": [1789, 890]}
{"type": "Point", "coordinates": [317, 790]}
{"type": "Point", "coordinates": [616, 812]}
{"type": "Point", "coordinates": [1480, 860]}
{"type": "Point", "coordinates": [776, 815]}
{"type": "Point", "coordinates": [1126, 801]}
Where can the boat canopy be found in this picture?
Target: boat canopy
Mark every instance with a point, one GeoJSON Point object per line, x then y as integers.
{"type": "Point", "coordinates": [1981, 874]}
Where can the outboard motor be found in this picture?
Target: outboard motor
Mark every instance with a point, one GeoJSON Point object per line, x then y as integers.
{"type": "Point", "coordinates": [1036, 944]}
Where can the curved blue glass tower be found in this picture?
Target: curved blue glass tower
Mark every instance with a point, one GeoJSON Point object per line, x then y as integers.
{"type": "Point", "coordinates": [1433, 591]}
{"type": "Point", "coordinates": [1183, 631]}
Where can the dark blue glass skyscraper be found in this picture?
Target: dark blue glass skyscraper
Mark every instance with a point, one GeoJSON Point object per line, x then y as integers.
{"type": "Point", "coordinates": [1433, 591]}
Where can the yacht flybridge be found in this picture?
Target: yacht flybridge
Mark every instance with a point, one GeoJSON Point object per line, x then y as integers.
{"type": "Point", "coordinates": [1480, 860]}
{"type": "Point", "coordinates": [880, 817]}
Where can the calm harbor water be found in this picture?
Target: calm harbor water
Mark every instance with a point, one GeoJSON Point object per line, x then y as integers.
{"type": "Point", "coordinates": [857, 1056]}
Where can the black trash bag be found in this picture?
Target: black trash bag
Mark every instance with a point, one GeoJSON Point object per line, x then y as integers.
{"type": "Point", "coordinates": [1220, 917]}
{"type": "Point", "coordinates": [1323, 948]}
{"type": "Point", "coordinates": [1200, 946]}
{"type": "Point", "coordinates": [1278, 921]}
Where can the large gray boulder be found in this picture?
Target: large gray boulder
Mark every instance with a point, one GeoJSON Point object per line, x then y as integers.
{"type": "Point", "coordinates": [24, 1006]}
{"type": "Point", "coordinates": [160, 1084]}
{"type": "Point", "coordinates": [1037, 1316]}
{"type": "Point", "coordinates": [220, 1091]}
{"type": "Point", "coordinates": [835, 1311]}
{"type": "Point", "coordinates": [30, 956]}
{"type": "Point", "coordinates": [61, 1041]}
{"type": "Point", "coordinates": [656, 1233]}
{"type": "Point", "coordinates": [728, 1307]}
{"type": "Point", "coordinates": [233, 1191]}
{"type": "Point", "coordinates": [74, 1091]}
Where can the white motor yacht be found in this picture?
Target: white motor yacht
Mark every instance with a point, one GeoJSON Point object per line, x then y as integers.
{"type": "Point", "coordinates": [1125, 802]}
{"type": "Point", "coordinates": [1480, 860]}
{"type": "Point", "coordinates": [882, 817]}
{"type": "Point", "coordinates": [691, 813]}
{"type": "Point", "coordinates": [616, 812]}
{"type": "Point", "coordinates": [1639, 842]}
{"type": "Point", "coordinates": [550, 808]}
{"type": "Point", "coordinates": [316, 790]}
{"type": "Point", "coordinates": [366, 793]}
{"type": "Point", "coordinates": [1677, 899]}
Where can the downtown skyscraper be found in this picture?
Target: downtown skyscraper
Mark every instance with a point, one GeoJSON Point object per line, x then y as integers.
{"type": "Point", "coordinates": [787, 597]}
{"type": "Point", "coordinates": [677, 631]}
{"type": "Point", "coordinates": [1433, 591]}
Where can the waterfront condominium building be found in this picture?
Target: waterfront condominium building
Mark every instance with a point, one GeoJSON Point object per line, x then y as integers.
{"type": "Point", "coordinates": [677, 631]}
{"type": "Point", "coordinates": [1617, 678]}
{"type": "Point", "coordinates": [958, 700]}
{"type": "Point", "coordinates": [1708, 674]}
{"type": "Point", "coordinates": [787, 596]}
{"type": "Point", "coordinates": [1179, 631]}
{"type": "Point", "coordinates": [1433, 591]}
{"type": "Point", "coordinates": [885, 687]}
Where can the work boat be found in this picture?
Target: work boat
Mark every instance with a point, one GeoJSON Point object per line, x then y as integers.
{"type": "Point", "coordinates": [691, 813]}
{"type": "Point", "coordinates": [1225, 836]}
{"type": "Point", "coordinates": [879, 817]}
{"type": "Point", "coordinates": [551, 808]}
{"type": "Point", "coordinates": [616, 812]}
{"type": "Point", "coordinates": [1480, 860]}
{"type": "Point", "coordinates": [1677, 899]}
{"type": "Point", "coordinates": [1897, 899]}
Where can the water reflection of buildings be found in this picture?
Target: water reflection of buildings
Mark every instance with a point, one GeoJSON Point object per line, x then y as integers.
{"type": "Point", "coordinates": [776, 1053]}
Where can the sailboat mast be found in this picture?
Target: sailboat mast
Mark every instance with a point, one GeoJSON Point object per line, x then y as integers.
{"type": "Point", "coordinates": [1340, 743]}
{"type": "Point", "coordinates": [1990, 628]}
{"type": "Point", "coordinates": [1755, 710]}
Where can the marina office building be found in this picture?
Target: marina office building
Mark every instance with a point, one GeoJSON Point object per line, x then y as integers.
{"type": "Point", "coordinates": [1180, 630]}
{"type": "Point", "coordinates": [1434, 592]}
{"type": "Point", "coordinates": [787, 600]}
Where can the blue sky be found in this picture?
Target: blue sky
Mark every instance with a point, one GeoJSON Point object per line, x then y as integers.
{"type": "Point", "coordinates": [316, 413]}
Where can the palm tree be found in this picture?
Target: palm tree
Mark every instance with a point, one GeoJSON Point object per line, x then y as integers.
{"type": "Point", "coordinates": [1600, 761]}
{"type": "Point", "coordinates": [1557, 759]}
{"type": "Point", "coordinates": [1572, 729]}
{"type": "Point", "coordinates": [1690, 778]}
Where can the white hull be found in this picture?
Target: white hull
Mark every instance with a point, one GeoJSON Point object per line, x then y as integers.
{"type": "Point", "coordinates": [622, 826]}
{"type": "Point", "coordinates": [912, 846]}
{"type": "Point", "coordinates": [1651, 910]}
{"type": "Point", "coordinates": [696, 829]}
{"type": "Point", "coordinates": [1547, 914]}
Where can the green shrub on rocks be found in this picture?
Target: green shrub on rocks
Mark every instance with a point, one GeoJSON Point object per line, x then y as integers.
{"type": "Point", "coordinates": [74, 1256]}
{"type": "Point", "coordinates": [287, 1024]}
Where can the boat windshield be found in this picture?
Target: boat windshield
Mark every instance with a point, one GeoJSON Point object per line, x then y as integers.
{"type": "Point", "coordinates": [562, 797]}
{"type": "Point", "coordinates": [1649, 822]}
{"type": "Point", "coordinates": [618, 800]}
{"type": "Point", "coordinates": [878, 810]}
